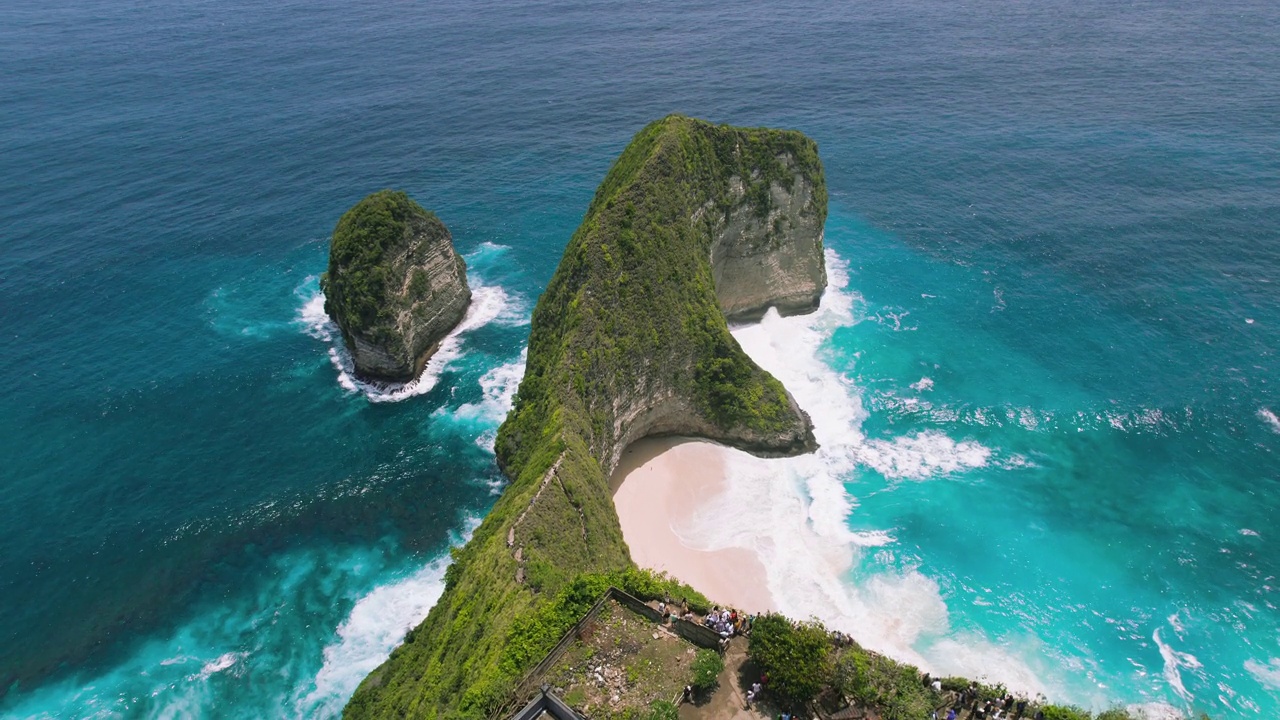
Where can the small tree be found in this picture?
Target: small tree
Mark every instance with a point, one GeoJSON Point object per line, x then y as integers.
{"type": "Point", "coordinates": [795, 656]}
{"type": "Point", "coordinates": [707, 666]}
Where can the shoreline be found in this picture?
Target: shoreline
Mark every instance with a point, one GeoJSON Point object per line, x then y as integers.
{"type": "Point", "coordinates": [659, 487]}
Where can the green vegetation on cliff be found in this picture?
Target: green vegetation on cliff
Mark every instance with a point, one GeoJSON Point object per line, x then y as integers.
{"type": "Point", "coordinates": [627, 340]}
{"type": "Point", "coordinates": [356, 284]}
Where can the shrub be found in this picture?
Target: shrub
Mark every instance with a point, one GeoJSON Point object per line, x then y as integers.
{"type": "Point", "coordinates": [707, 666]}
{"type": "Point", "coordinates": [795, 656]}
{"type": "Point", "coordinates": [663, 710]}
{"type": "Point", "coordinates": [877, 681]}
{"type": "Point", "coordinates": [1065, 712]}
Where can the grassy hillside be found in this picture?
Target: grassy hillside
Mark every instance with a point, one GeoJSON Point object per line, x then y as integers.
{"type": "Point", "coordinates": [628, 338]}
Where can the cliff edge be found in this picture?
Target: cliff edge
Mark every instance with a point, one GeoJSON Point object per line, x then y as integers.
{"type": "Point", "coordinates": [395, 286]}
{"type": "Point", "coordinates": [693, 221]}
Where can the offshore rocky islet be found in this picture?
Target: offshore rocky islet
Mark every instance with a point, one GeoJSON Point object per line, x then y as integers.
{"type": "Point", "coordinates": [395, 285]}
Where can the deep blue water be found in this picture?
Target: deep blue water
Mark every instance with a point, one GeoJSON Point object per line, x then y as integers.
{"type": "Point", "coordinates": [1065, 215]}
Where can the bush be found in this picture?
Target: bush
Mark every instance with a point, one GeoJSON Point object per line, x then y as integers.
{"type": "Point", "coordinates": [795, 656]}
{"type": "Point", "coordinates": [663, 710]}
{"type": "Point", "coordinates": [707, 666]}
{"type": "Point", "coordinates": [1065, 712]}
{"type": "Point", "coordinates": [879, 682]}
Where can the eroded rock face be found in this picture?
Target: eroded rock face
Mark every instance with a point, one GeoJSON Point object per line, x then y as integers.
{"type": "Point", "coordinates": [771, 256]}
{"type": "Point", "coordinates": [395, 285]}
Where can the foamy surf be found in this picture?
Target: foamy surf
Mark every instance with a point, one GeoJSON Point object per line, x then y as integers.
{"type": "Point", "coordinates": [489, 304]}
{"type": "Point", "coordinates": [376, 625]}
{"type": "Point", "coordinates": [793, 513]}
{"type": "Point", "coordinates": [1174, 663]}
{"type": "Point", "coordinates": [498, 386]}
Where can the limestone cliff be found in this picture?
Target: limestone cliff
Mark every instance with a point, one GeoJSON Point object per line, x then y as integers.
{"type": "Point", "coordinates": [629, 339]}
{"type": "Point", "coordinates": [395, 285]}
{"type": "Point", "coordinates": [767, 254]}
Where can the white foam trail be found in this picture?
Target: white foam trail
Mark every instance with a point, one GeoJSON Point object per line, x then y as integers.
{"type": "Point", "coordinates": [499, 386]}
{"type": "Point", "coordinates": [218, 664]}
{"type": "Point", "coordinates": [1173, 660]}
{"type": "Point", "coordinates": [923, 385]}
{"type": "Point", "coordinates": [793, 512]}
{"type": "Point", "coordinates": [488, 304]}
{"type": "Point", "coordinates": [376, 625]}
{"type": "Point", "coordinates": [1270, 419]}
{"type": "Point", "coordinates": [922, 455]}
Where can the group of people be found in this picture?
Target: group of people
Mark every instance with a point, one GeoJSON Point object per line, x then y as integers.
{"type": "Point", "coordinates": [1003, 708]}
{"type": "Point", "coordinates": [728, 622]}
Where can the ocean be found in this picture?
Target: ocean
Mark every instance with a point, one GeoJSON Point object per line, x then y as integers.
{"type": "Point", "coordinates": [1044, 376]}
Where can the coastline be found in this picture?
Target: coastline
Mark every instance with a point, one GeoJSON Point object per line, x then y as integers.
{"type": "Point", "coordinates": [659, 487]}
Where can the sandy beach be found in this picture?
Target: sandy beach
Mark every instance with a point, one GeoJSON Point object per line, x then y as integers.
{"type": "Point", "coordinates": [658, 488]}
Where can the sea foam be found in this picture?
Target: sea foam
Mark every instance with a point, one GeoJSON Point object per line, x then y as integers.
{"type": "Point", "coordinates": [1174, 663]}
{"type": "Point", "coordinates": [489, 303]}
{"type": "Point", "coordinates": [1270, 419]}
{"type": "Point", "coordinates": [793, 512]}
{"type": "Point", "coordinates": [376, 624]}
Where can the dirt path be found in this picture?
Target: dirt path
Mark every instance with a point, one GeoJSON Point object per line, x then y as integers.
{"type": "Point", "coordinates": [728, 702]}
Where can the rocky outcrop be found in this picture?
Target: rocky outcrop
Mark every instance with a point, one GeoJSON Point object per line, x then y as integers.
{"type": "Point", "coordinates": [693, 221]}
{"type": "Point", "coordinates": [395, 285]}
{"type": "Point", "coordinates": [772, 256]}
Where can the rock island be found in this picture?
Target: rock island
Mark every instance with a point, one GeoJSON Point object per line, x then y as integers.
{"type": "Point", "coordinates": [395, 286]}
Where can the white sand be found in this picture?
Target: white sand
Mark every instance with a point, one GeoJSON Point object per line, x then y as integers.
{"type": "Point", "coordinates": [659, 486]}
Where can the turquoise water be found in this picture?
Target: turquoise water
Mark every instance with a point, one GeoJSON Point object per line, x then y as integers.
{"type": "Point", "coordinates": [1060, 225]}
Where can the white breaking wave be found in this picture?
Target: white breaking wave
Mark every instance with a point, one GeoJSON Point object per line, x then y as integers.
{"type": "Point", "coordinates": [793, 512]}
{"type": "Point", "coordinates": [921, 456]}
{"type": "Point", "coordinates": [217, 665]}
{"type": "Point", "coordinates": [488, 304]}
{"type": "Point", "coordinates": [1270, 419]}
{"type": "Point", "coordinates": [376, 625]}
{"type": "Point", "coordinates": [1268, 674]}
{"type": "Point", "coordinates": [499, 387]}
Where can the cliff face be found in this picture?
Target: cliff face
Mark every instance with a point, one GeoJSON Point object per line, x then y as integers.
{"type": "Point", "coordinates": [395, 285]}
{"type": "Point", "coordinates": [628, 340]}
{"type": "Point", "coordinates": [775, 258]}
{"type": "Point", "coordinates": [694, 222]}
